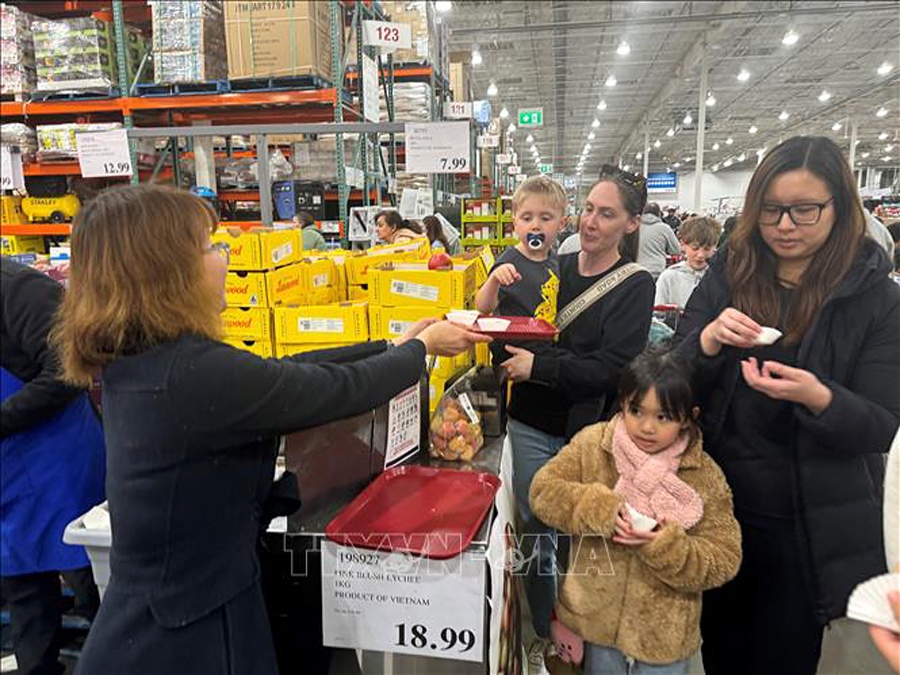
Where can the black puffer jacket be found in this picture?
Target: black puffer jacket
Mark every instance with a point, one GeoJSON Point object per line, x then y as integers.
{"type": "Point", "coordinates": [853, 346]}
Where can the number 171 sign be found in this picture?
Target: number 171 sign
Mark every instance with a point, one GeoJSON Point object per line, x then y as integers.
{"type": "Point", "coordinates": [387, 35]}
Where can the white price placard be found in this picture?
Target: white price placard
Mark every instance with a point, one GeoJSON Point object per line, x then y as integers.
{"type": "Point", "coordinates": [370, 89]}
{"type": "Point", "coordinates": [394, 602]}
{"type": "Point", "coordinates": [103, 154]}
{"type": "Point", "coordinates": [437, 147]}
{"type": "Point", "coordinates": [387, 35]}
{"type": "Point", "coordinates": [404, 426]}
{"type": "Point", "coordinates": [513, 170]}
{"type": "Point", "coordinates": [457, 110]}
{"type": "Point", "coordinates": [503, 158]}
{"type": "Point", "coordinates": [488, 141]}
{"type": "Point", "coordinates": [11, 175]}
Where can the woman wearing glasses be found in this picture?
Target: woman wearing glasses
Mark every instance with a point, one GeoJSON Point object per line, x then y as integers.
{"type": "Point", "coordinates": [191, 427]}
{"type": "Point", "coordinates": [798, 426]}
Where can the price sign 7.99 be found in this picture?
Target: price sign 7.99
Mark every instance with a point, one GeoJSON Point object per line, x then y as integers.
{"type": "Point", "coordinates": [437, 147]}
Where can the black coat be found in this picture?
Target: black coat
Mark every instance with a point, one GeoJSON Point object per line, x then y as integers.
{"type": "Point", "coordinates": [853, 347]}
{"type": "Point", "coordinates": [191, 429]}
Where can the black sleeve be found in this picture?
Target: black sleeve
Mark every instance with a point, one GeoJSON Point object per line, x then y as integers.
{"type": "Point", "coordinates": [233, 395]}
{"type": "Point", "coordinates": [347, 354]}
{"type": "Point", "coordinates": [623, 336]}
{"type": "Point", "coordinates": [30, 301]}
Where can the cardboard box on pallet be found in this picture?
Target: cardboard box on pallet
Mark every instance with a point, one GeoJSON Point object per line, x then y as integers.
{"type": "Point", "coordinates": [277, 39]}
{"type": "Point", "coordinates": [399, 284]}
{"type": "Point", "coordinates": [283, 286]}
{"type": "Point", "coordinates": [342, 322]}
{"type": "Point", "coordinates": [260, 248]}
{"type": "Point", "coordinates": [74, 54]}
{"type": "Point", "coordinates": [262, 348]}
{"type": "Point", "coordinates": [249, 323]}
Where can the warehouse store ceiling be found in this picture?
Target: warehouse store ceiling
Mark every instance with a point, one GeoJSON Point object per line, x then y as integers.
{"type": "Point", "coordinates": [618, 70]}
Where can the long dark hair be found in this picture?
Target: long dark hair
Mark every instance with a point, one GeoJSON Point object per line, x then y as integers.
{"type": "Point", "coordinates": [633, 192]}
{"type": "Point", "coordinates": [435, 231]}
{"type": "Point", "coordinates": [396, 221]}
{"type": "Point", "coordinates": [752, 267]}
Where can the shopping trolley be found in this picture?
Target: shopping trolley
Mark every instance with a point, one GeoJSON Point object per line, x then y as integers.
{"type": "Point", "coordinates": [664, 323]}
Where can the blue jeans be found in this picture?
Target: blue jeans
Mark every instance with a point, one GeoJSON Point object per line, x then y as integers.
{"type": "Point", "coordinates": [600, 660]}
{"type": "Point", "coordinates": [531, 450]}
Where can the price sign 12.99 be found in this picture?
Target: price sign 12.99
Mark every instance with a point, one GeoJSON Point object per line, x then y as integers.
{"type": "Point", "coordinates": [437, 147]}
{"type": "Point", "coordinates": [103, 154]}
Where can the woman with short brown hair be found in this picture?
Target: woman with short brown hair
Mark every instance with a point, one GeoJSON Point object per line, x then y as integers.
{"type": "Point", "coordinates": [191, 427]}
{"type": "Point", "coordinates": [799, 424]}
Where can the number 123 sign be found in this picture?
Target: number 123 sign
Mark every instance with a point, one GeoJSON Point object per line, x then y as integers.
{"type": "Point", "coordinates": [386, 34]}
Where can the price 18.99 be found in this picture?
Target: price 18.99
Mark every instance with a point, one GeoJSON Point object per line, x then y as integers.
{"type": "Point", "coordinates": [417, 636]}
{"type": "Point", "coordinates": [454, 163]}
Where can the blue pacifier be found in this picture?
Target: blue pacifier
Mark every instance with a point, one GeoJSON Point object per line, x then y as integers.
{"type": "Point", "coordinates": [535, 239]}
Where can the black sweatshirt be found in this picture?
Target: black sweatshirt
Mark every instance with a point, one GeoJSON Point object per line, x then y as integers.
{"type": "Point", "coordinates": [29, 302]}
{"type": "Point", "coordinates": [583, 370]}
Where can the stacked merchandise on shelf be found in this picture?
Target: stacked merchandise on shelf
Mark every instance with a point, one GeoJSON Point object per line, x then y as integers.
{"type": "Point", "coordinates": [56, 142]}
{"type": "Point", "coordinates": [188, 41]}
{"type": "Point", "coordinates": [17, 68]}
{"type": "Point", "coordinates": [412, 103]}
{"type": "Point", "coordinates": [137, 48]}
{"type": "Point", "coordinates": [277, 39]}
{"type": "Point", "coordinates": [314, 159]}
{"type": "Point", "coordinates": [21, 135]}
{"type": "Point", "coordinates": [74, 55]}
{"type": "Point", "coordinates": [430, 35]}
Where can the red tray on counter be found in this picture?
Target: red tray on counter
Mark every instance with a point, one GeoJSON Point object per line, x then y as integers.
{"type": "Point", "coordinates": [520, 328]}
{"type": "Point", "coordinates": [417, 509]}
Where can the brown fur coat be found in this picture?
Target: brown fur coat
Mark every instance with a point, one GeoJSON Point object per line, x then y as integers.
{"type": "Point", "coordinates": [644, 601]}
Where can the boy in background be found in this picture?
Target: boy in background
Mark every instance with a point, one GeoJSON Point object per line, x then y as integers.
{"type": "Point", "coordinates": [699, 237]}
{"type": "Point", "coordinates": [525, 282]}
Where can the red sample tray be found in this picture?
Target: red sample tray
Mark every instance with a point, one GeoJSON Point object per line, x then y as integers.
{"type": "Point", "coordinates": [417, 509]}
{"type": "Point", "coordinates": [520, 328]}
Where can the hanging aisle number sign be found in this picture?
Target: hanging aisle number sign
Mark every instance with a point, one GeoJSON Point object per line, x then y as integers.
{"type": "Point", "coordinates": [458, 110]}
{"type": "Point", "coordinates": [103, 154]}
{"type": "Point", "coordinates": [437, 147]}
{"type": "Point", "coordinates": [386, 34]}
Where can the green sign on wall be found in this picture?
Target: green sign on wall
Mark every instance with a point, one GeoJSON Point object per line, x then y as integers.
{"type": "Point", "coordinates": [531, 117]}
{"type": "Point", "coordinates": [547, 168]}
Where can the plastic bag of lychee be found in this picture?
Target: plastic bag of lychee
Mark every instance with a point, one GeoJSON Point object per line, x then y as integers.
{"type": "Point", "coordinates": [455, 430]}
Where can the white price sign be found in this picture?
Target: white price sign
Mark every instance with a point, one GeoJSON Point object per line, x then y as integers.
{"type": "Point", "coordinates": [404, 426]}
{"type": "Point", "coordinates": [437, 147]}
{"type": "Point", "coordinates": [394, 602]}
{"type": "Point", "coordinates": [387, 35]}
{"type": "Point", "coordinates": [503, 158]}
{"type": "Point", "coordinates": [103, 154]}
{"type": "Point", "coordinates": [488, 141]}
{"type": "Point", "coordinates": [370, 88]}
{"type": "Point", "coordinates": [11, 175]}
{"type": "Point", "coordinates": [513, 170]}
{"type": "Point", "coordinates": [458, 110]}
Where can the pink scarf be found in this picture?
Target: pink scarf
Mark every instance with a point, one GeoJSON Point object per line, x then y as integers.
{"type": "Point", "coordinates": [650, 482]}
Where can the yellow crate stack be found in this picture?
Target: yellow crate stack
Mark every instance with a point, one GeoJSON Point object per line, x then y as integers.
{"type": "Point", "coordinates": [301, 329]}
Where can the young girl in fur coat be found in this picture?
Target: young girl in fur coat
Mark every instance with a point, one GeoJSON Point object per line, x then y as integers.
{"type": "Point", "coordinates": [655, 526]}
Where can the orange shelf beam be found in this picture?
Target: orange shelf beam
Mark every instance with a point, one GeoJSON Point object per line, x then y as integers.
{"type": "Point", "coordinates": [46, 229]}
{"type": "Point", "coordinates": [52, 169]}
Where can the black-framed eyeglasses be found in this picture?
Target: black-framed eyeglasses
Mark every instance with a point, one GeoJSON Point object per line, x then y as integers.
{"type": "Point", "coordinates": [800, 214]}
{"type": "Point", "coordinates": [221, 248]}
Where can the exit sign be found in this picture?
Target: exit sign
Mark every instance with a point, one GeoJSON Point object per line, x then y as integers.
{"type": "Point", "coordinates": [547, 168]}
{"type": "Point", "coordinates": [531, 117]}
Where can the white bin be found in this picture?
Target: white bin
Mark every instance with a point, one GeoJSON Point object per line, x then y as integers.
{"type": "Point", "coordinates": [92, 531]}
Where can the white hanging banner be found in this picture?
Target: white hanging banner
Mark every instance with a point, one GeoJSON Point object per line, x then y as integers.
{"type": "Point", "coordinates": [503, 158]}
{"type": "Point", "coordinates": [394, 602]}
{"type": "Point", "coordinates": [513, 170]}
{"type": "Point", "coordinates": [370, 88]}
{"type": "Point", "coordinates": [457, 110]}
{"type": "Point", "coordinates": [103, 154]}
{"type": "Point", "coordinates": [11, 175]}
{"type": "Point", "coordinates": [437, 147]}
{"type": "Point", "coordinates": [387, 35]}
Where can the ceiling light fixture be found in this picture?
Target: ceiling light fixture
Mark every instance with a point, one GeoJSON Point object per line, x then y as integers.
{"type": "Point", "coordinates": [492, 89]}
{"type": "Point", "coordinates": [476, 57]}
{"type": "Point", "coordinates": [883, 136]}
{"type": "Point", "coordinates": [677, 164]}
{"type": "Point", "coordinates": [885, 68]}
{"type": "Point", "coordinates": [627, 167]}
{"type": "Point", "coordinates": [624, 49]}
{"type": "Point", "coordinates": [864, 155]}
{"type": "Point", "coordinates": [533, 148]}
{"type": "Point", "coordinates": [886, 159]}
{"type": "Point", "coordinates": [601, 105]}
{"type": "Point", "coordinates": [592, 136]}
{"type": "Point", "coordinates": [888, 148]}
{"type": "Point", "coordinates": [443, 6]}
{"type": "Point", "coordinates": [687, 118]}
{"type": "Point", "coordinates": [727, 163]}
{"type": "Point", "coordinates": [639, 155]}
{"type": "Point", "coordinates": [744, 75]}
{"type": "Point", "coordinates": [512, 129]}
{"type": "Point", "coordinates": [836, 126]}
{"type": "Point", "coordinates": [504, 113]}
{"type": "Point", "coordinates": [670, 132]}
{"type": "Point", "coordinates": [825, 95]}
{"type": "Point", "coordinates": [587, 147]}
{"type": "Point", "coordinates": [882, 111]}
{"type": "Point", "coordinates": [752, 129]}
{"type": "Point", "coordinates": [784, 115]}
{"type": "Point", "coordinates": [716, 146]}
{"type": "Point", "coordinates": [715, 167]}
{"type": "Point", "coordinates": [656, 144]}
{"type": "Point", "coordinates": [529, 139]}
{"type": "Point", "coordinates": [668, 169]}
{"type": "Point", "coordinates": [611, 81]}
{"type": "Point", "coordinates": [742, 156]}
{"type": "Point", "coordinates": [710, 100]}
{"type": "Point", "coordinates": [729, 140]}
{"type": "Point", "coordinates": [595, 123]}
{"type": "Point", "coordinates": [790, 38]}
